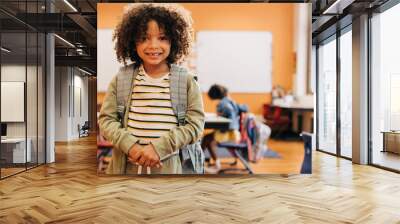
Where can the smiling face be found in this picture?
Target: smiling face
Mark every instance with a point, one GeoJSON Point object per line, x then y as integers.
{"type": "Point", "coordinates": [154, 47]}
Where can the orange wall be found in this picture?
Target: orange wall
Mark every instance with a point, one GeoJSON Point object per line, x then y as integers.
{"type": "Point", "coordinates": [275, 18]}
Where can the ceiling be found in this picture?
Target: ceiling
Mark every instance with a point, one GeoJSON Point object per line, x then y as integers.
{"type": "Point", "coordinates": [76, 25]}
{"type": "Point", "coordinates": [76, 20]}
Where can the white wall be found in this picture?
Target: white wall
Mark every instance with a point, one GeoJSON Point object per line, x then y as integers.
{"type": "Point", "coordinates": [80, 102]}
{"type": "Point", "coordinates": [68, 83]}
{"type": "Point", "coordinates": [62, 81]}
{"type": "Point", "coordinates": [107, 64]}
{"type": "Point", "coordinates": [302, 47]}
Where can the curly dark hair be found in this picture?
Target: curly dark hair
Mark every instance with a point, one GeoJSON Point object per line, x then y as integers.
{"type": "Point", "coordinates": [172, 18]}
{"type": "Point", "coordinates": [217, 92]}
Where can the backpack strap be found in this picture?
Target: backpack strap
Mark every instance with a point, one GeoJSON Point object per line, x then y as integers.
{"type": "Point", "coordinates": [178, 88]}
{"type": "Point", "coordinates": [125, 78]}
{"type": "Point", "coordinates": [178, 84]}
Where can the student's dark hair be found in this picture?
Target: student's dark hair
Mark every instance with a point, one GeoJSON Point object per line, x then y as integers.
{"type": "Point", "coordinates": [217, 92]}
{"type": "Point", "coordinates": [174, 20]}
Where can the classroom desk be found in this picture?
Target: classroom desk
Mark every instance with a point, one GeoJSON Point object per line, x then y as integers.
{"type": "Point", "coordinates": [13, 150]}
{"type": "Point", "coordinates": [391, 141]}
{"type": "Point", "coordinates": [296, 105]}
{"type": "Point", "coordinates": [300, 112]}
{"type": "Point", "coordinates": [212, 121]}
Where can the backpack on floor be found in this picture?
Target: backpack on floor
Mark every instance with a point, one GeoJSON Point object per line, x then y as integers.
{"type": "Point", "coordinates": [258, 133]}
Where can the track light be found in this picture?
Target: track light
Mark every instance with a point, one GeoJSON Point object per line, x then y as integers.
{"type": "Point", "coordinates": [70, 5]}
{"type": "Point", "coordinates": [64, 40]}
{"type": "Point", "coordinates": [5, 50]}
{"type": "Point", "coordinates": [337, 7]}
{"type": "Point", "coordinates": [84, 71]}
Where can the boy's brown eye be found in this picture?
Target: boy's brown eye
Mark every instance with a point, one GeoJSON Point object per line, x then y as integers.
{"type": "Point", "coordinates": [141, 39]}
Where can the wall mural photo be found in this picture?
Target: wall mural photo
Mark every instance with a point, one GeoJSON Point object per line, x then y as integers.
{"type": "Point", "coordinates": [186, 89]}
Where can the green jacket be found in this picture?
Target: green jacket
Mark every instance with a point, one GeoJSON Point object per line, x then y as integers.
{"type": "Point", "coordinates": [166, 146]}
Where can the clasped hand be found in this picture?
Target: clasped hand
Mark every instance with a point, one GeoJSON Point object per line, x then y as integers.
{"type": "Point", "coordinates": [144, 156]}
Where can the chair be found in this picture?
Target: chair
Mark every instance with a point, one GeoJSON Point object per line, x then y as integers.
{"type": "Point", "coordinates": [104, 150]}
{"type": "Point", "coordinates": [275, 119]}
{"type": "Point", "coordinates": [84, 130]}
{"type": "Point", "coordinates": [243, 149]}
{"type": "Point", "coordinates": [306, 167]}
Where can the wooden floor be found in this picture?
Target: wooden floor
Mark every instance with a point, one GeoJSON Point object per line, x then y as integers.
{"type": "Point", "coordinates": [69, 191]}
{"type": "Point", "coordinates": [387, 159]}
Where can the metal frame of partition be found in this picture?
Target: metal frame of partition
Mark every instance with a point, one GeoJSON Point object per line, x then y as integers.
{"type": "Point", "coordinates": [369, 77]}
{"type": "Point", "coordinates": [42, 117]}
{"type": "Point", "coordinates": [338, 97]}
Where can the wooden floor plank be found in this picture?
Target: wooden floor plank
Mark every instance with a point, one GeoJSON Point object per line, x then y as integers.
{"type": "Point", "coordinates": [69, 191]}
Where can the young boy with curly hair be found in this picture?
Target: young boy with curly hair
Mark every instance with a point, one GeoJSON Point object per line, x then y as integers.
{"type": "Point", "coordinates": [148, 138]}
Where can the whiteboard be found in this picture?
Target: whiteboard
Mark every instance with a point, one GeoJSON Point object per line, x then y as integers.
{"type": "Point", "coordinates": [12, 101]}
{"type": "Point", "coordinates": [239, 60]}
{"type": "Point", "coordinates": [107, 63]}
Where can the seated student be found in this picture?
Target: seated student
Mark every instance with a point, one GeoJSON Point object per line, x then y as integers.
{"type": "Point", "coordinates": [226, 108]}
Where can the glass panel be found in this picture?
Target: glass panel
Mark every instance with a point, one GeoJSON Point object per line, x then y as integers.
{"type": "Point", "coordinates": [386, 89]}
{"type": "Point", "coordinates": [41, 98]}
{"type": "Point", "coordinates": [13, 85]}
{"type": "Point", "coordinates": [31, 96]}
{"type": "Point", "coordinates": [31, 83]}
{"type": "Point", "coordinates": [22, 78]}
{"type": "Point", "coordinates": [346, 94]}
{"type": "Point", "coordinates": [327, 97]}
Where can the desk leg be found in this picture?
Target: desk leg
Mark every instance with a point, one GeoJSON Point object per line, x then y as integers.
{"type": "Point", "coordinates": [384, 142]}
{"type": "Point", "coordinates": [300, 122]}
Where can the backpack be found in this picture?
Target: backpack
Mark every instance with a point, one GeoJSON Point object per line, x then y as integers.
{"type": "Point", "coordinates": [258, 133]}
{"type": "Point", "coordinates": [192, 156]}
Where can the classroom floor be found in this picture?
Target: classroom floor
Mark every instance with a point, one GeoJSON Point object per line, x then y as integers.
{"type": "Point", "coordinates": [291, 158]}
{"type": "Point", "coordinates": [70, 191]}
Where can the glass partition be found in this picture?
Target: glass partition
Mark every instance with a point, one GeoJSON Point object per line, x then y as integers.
{"type": "Point", "coordinates": [22, 89]}
{"type": "Point", "coordinates": [385, 89]}
{"type": "Point", "coordinates": [327, 96]}
{"type": "Point", "coordinates": [13, 93]}
{"type": "Point", "coordinates": [346, 94]}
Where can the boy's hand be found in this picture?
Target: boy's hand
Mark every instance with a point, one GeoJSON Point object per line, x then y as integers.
{"type": "Point", "coordinates": [144, 155]}
{"type": "Point", "coordinates": [149, 157]}
{"type": "Point", "coordinates": [135, 153]}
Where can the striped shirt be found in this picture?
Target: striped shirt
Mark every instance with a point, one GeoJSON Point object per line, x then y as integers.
{"type": "Point", "coordinates": [151, 115]}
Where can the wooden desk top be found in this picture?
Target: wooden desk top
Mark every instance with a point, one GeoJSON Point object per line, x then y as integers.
{"type": "Point", "coordinates": [212, 121]}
